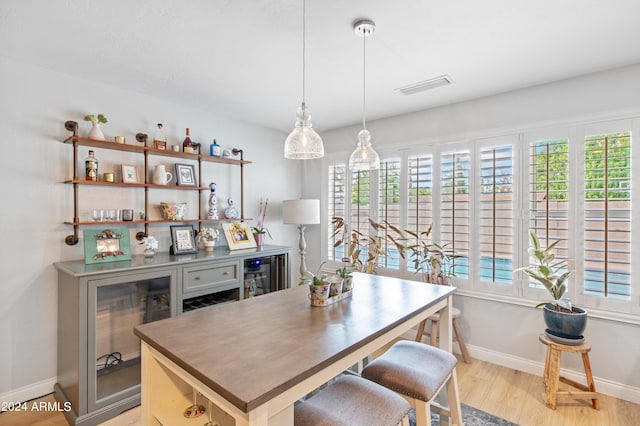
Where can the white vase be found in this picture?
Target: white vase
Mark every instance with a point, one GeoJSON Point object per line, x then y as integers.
{"type": "Point", "coordinates": [209, 245]}
{"type": "Point", "coordinates": [96, 132]}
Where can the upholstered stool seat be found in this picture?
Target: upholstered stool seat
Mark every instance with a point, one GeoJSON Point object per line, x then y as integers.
{"type": "Point", "coordinates": [418, 372]}
{"type": "Point", "coordinates": [352, 400]}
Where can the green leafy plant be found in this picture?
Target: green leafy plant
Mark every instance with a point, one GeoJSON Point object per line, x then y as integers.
{"type": "Point", "coordinates": [317, 278]}
{"type": "Point", "coordinates": [343, 272]}
{"type": "Point", "coordinates": [357, 244]}
{"type": "Point", "coordinates": [549, 272]}
{"type": "Point", "coordinates": [434, 261]}
{"type": "Point", "coordinates": [101, 118]}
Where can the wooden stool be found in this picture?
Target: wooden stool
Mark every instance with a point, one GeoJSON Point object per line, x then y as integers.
{"type": "Point", "coordinates": [418, 372]}
{"type": "Point", "coordinates": [552, 376]}
{"type": "Point", "coordinates": [352, 400]}
{"type": "Point", "coordinates": [433, 334]}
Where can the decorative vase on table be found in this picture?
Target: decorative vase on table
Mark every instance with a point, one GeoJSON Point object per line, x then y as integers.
{"type": "Point", "coordinates": [209, 245]}
{"type": "Point", "coordinates": [96, 132]}
{"type": "Point", "coordinates": [149, 252]}
{"type": "Point", "coordinates": [259, 237]}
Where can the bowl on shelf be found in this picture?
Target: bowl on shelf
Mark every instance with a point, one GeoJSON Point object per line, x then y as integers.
{"type": "Point", "coordinates": [173, 211]}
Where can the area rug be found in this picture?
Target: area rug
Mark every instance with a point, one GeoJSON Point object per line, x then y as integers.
{"type": "Point", "coordinates": [470, 416]}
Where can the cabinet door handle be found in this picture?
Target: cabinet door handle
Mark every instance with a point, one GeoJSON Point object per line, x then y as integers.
{"type": "Point", "coordinates": [196, 278]}
{"type": "Point", "coordinates": [226, 273]}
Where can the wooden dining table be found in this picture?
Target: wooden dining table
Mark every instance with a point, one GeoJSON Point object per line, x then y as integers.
{"type": "Point", "coordinates": [256, 357]}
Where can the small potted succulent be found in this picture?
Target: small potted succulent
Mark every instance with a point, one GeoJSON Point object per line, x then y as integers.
{"type": "Point", "coordinates": [562, 319]}
{"type": "Point", "coordinates": [319, 288]}
{"type": "Point", "coordinates": [96, 132]}
{"type": "Point", "coordinates": [347, 278]}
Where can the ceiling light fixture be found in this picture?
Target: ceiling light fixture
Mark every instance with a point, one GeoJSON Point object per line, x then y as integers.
{"type": "Point", "coordinates": [421, 86]}
{"type": "Point", "coordinates": [364, 157]}
{"type": "Point", "coordinates": [303, 143]}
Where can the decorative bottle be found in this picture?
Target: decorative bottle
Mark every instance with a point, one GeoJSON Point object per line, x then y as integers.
{"type": "Point", "coordinates": [159, 139]}
{"type": "Point", "coordinates": [187, 145]}
{"type": "Point", "coordinates": [91, 167]}
{"type": "Point", "coordinates": [214, 149]}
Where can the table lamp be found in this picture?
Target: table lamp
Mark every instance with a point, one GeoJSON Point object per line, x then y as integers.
{"type": "Point", "coordinates": [302, 212]}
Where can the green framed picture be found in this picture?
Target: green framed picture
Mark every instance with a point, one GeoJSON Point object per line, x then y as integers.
{"type": "Point", "coordinates": [107, 245]}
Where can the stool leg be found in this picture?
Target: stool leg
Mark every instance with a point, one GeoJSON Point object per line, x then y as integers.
{"type": "Point", "coordinates": [434, 334]}
{"type": "Point", "coordinates": [545, 375]}
{"type": "Point", "coordinates": [423, 413]}
{"type": "Point", "coordinates": [590, 383]}
{"type": "Point", "coordinates": [420, 331]}
{"type": "Point", "coordinates": [463, 347]}
{"type": "Point", "coordinates": [454, 399]}
{"type": "Point", "coordinates": [553, 377]}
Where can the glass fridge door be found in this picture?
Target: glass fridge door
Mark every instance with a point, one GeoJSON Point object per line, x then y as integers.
{"type": "Point", "coordinates": [116, 307]}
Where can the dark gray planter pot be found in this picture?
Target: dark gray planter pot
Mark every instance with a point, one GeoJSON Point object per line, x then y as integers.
{"type": "Point", "coordinates": [565, 324]}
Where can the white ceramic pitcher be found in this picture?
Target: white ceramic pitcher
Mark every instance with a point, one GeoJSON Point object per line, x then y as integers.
{"type": "Point", "coordinates": [161, 176]}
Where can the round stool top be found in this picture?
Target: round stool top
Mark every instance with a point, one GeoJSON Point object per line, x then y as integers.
{"type": "Point", "coordinates": [582, 347]}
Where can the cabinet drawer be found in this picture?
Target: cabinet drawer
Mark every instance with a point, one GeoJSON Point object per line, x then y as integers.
{"type": "Point", "coordinates": [199, 278]}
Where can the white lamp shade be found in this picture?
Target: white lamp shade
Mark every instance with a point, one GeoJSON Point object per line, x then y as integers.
{"type": "Point", "coordinates": [301, 212]}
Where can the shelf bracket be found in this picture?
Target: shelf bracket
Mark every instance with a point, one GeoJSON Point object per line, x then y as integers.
{"type": "Point", "coordinates": [72, 240]}
{"type": "Point", "coordinates": [71, 126]}
{"type": "Point", "coordinates": [142, 138]}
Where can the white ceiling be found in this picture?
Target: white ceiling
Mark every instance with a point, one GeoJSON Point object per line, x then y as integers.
{"type": "Point", "coordinates": [243, 59]}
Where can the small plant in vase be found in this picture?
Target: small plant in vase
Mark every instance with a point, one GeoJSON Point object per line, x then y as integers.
{"type": "Point", "coordinates": [432, 260]}
{"type": "Point", "coordinates": [259, 230]}
{"type": "Point", "coordinates": [347, 278]}
{"type": "Point", "coordinates": [209, 236]}
{"type": "Point", "coordinates": [563, 320]}
{"type": "Point", "coordinates": [150, 246]}
{"type": "Point", "coordinates": [96, 132]}
{"type": "Point", "coordinates": [319, 288]}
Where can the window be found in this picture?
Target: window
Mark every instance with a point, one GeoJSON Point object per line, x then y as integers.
{"type": "Point", "coordinates": [336, 207]}
{"type": "Point", "coordinates": [389, 209]}
{"type": "Point", "coordinates": [571, 184]}
{"type": "Point", "coordinates": [454, 208]}
{"type": "Point", "coordinates": [607, 215]}
{"type": "Point", "coordinates": [496, 214]}
{"type": "Point", "coordinates": [549, 196]}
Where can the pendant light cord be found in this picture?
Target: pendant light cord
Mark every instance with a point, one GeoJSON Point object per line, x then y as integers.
{"type": "Point", "coordinates": [364, 75]}
{"type": "Point", "coordinates": [304, 32]}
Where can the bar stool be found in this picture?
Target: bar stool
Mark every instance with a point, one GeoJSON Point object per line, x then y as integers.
{"type": "Point", "coordinates": [352, 400]}
{"type": "Point", "coordinates": [433, 334]}
{"type": "Point", "coordinates": [418, 373]}
{"type": "Point", "coordinates": [551, 377]}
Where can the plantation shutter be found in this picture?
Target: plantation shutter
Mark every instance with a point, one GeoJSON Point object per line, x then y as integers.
{"type": "Point", "coordinates": [389, 209]}
{"type": "Point", "coordinates": [336, 206]}
{"type": "Point", "coordinates": [419, 196]}
{"type": "Point", "coordinates": [454, 208]}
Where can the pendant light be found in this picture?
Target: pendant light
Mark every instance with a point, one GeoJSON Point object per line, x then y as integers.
{"type": "Point", "coordinates": [303, 143]}
{"type": "Point", "coordinates": [364, 157]}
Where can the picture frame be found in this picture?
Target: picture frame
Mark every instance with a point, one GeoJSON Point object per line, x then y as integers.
{"type": "Point", "coordinates": [182, 240]}
{"type": "Point", "coordinates": [129, 173]}
{"type": "Point", "coordinates": [185, 175]}
{"type": "Point", "coordinates": [238, 235]}
{"type": "Point", "coordinates": [106, 245]}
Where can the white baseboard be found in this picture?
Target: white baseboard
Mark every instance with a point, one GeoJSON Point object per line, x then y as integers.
{"type": "Point", "coordinates": [29, 392]}
{"type": "Point", "coordinates": [603, 386]}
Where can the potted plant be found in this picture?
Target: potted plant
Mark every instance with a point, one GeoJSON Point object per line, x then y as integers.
{"type": "Point", "coordinates": [347, 278]}
{"type": "Point", "coordinates": [563, 320]}
{"type": "Point", "coordinates": [359, 244]}
{"type": "Point", "coordinates": [319, 288]}
{"type": "Point", "coordinates": [96, 132]}
{"type": "Point", "coordinates": [259, 230]}
{"type": "Point", "coordinates": [150, 246]}
{"type": "Point", "coordinates": [432, 260]}
{"type": "Point", "coordinates": [209, 236]}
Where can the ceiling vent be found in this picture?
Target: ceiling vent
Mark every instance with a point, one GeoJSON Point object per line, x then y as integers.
{"type": "Point", "coordinates": [421, 86]}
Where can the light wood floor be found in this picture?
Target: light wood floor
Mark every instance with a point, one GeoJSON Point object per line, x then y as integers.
{"type": "Point", "coordinates": [506, 393]}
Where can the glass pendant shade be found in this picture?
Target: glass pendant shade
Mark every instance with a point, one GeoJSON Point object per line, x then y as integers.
{"type": "Point", "coordinates": [364, 157]}
{"type": "Point", "coordinates": [303, 143]}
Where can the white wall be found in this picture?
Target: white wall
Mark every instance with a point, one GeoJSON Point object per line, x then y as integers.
{"type": "Point", "coordinates": [507, 333]}
{"type": "Point", "coordinates": [34, 104]}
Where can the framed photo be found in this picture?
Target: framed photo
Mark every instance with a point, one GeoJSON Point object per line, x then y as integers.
{"type": "Point", "coordinates": [238, 235]}
{"type": "Point", "coordinates": [182, 240]}
{"type": "Point", "coordinates": [185, 175]}
{"type": "Point", "coordinates": [107, 245]}
{"type": "Point", "coordinates": [129, 173]}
